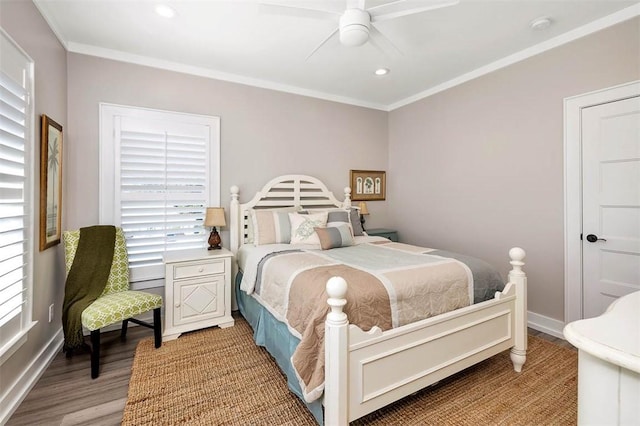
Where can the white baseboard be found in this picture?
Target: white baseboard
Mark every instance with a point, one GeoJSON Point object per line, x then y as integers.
{"type": "Point", "coordinates": [544, 324]}
{"type": "Point", "coordinates": [18, 391]}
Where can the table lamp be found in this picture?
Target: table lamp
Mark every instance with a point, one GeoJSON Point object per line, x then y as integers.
{"type": "Point", "coordinates": [213, 218]}
{"type": "Point", "coordinates": [363, 211]}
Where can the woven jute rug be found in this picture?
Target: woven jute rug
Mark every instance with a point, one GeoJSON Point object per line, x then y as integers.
{"type": "Point", "coordinates": [220, 377]}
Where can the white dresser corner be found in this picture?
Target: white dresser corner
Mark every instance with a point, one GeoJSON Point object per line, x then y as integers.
{"type": "Point", "coordinates": [609, 364]}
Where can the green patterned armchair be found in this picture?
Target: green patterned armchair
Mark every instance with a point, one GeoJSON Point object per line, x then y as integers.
{"type": "Point", "coordinates": [116, 303]}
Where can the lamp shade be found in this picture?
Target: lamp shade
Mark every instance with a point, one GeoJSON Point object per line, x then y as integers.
{"type": "Point", "coordinates": [215, 217]}
{"type": "Point", "coordinates": [363, 208]}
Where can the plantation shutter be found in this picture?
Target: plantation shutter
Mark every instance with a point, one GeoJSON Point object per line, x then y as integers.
{"type": "Point", "coordinates": [163, 178]}
{"type": "Point", "coordinates": [15, 192]}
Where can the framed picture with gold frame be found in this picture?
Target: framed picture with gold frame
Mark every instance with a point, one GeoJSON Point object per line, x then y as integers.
{"type": "Point", "coordinates": [368, 185]}
{"type": "Point", "coordinates": [50, 183]}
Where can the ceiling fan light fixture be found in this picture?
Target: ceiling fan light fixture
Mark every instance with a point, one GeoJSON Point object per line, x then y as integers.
{"type": "Point", "coordinates": [354, 27]}
{"type": "Point", "coordinates": [354, 35]}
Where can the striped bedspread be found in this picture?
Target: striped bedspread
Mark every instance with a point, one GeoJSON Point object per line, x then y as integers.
{"type": "Point", "coordinates": [389, 285]}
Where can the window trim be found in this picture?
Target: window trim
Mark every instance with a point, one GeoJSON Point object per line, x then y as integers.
{"type": "Point", "coordinates": [109, 154]}
{"type": "Point", "coordinates": [26, 321]}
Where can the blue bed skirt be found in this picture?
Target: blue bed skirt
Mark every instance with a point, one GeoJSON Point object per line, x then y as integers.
{"type": "Point", "coordinates": [273, 335]}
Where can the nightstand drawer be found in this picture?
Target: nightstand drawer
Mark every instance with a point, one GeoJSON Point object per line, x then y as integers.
{"type": "Point", "coordinates": [198, 269]}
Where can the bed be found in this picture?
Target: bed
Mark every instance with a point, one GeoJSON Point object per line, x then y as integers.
{"type": "Point", "coordinates": [362, 371]}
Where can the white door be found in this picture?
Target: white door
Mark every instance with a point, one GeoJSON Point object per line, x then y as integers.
{"type": "Point", "coordinates": [611, 203]}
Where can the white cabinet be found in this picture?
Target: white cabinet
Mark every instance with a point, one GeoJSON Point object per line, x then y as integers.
{"type": "Point", "coordinates": [609, 364]}
{"type": "Point", "coordinates": [197, 290]}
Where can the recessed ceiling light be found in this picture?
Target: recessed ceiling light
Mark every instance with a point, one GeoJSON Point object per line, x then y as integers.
{"type": "Point", "coordinates": [382, 71]}
{"type": "Point", "coordinates": [540, 23]}
{"type": "Point", "coordinates": [165, 11]}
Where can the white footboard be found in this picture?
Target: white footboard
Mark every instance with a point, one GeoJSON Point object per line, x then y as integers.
{"type": "Point", "coordinates": [367, 371]}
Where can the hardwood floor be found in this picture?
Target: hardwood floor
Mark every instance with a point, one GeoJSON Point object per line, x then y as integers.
{"type": "Point", "coordinates": [66, 394]}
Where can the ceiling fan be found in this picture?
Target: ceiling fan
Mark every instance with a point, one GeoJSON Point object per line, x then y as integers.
{"type": "Point", "coordinates": [357, 23]}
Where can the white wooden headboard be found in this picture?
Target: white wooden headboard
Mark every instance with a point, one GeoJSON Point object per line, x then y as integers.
{"type": "Point", "coordinates": [284, 191]}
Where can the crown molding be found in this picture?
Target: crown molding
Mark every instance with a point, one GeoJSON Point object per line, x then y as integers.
{"type": "Point", "coordinates": [590, 28]}
{"type": "Point", "coordinates": [117, 55]}
{"type": "Point", "coordinates": [54, 27]}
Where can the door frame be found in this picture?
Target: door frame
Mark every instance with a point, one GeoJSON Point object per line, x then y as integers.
{"type": "Point", "coordinates": [573, 188]}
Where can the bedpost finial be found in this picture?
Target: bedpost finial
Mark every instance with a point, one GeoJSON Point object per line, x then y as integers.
{"type": "Point", "coordinates": [347, 197]}
{"type": "Point", "coordinates": [337, 291]}
{"type": "Point", "coordinates": [336, 288]}
{"type": "Point", "coordinates": [234, 192]}
{"type": "Point", "coordinates": [517, 254]}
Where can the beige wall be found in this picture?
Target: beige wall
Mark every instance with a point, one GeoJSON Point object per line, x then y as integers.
{"type": "Point", "coordinates": [22, 21]}
{"type": "Point", "coordinates": [479, 168]}
{"type": "Point", "coordinates": [264, 133]}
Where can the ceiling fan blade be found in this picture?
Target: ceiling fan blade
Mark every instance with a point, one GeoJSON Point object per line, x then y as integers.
{"type": "Point", "coordinates": [297, 12]}
{"type": "Point", "coordinates": [395, 9]}
{"type": "Point", "coordinates": [321, 44]}
{"type": "Point", "coordinates": [374, 43]}
{"type": "Point", "coordinates": [375, 36]}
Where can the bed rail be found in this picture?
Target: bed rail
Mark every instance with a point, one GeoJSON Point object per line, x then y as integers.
{"type": "Point", "coordinates": [365, 371]}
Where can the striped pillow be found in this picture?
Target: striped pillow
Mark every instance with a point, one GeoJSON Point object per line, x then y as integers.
{"type": "Point", "coordinates": [271, 226]}
{"type": "Point", "coordinates": [335, 236]}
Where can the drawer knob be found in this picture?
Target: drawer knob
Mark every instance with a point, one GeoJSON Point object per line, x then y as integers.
{"type": "Point", "coordinates": [200, 269]}
{"type": "Point", "coordinates": [177, 304]}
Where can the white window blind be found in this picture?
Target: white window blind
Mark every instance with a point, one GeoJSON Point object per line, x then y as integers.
{"type": "Point", "coordinates": [16, 218]}
{"type": "Point", "coordinates": [165, 174]}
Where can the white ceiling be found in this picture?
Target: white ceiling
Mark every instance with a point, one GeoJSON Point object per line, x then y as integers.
{"type": "Point", "coordinates": [243, 42]}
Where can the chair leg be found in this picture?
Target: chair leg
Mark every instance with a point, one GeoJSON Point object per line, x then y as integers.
{"type": "Point", "coordinates": [123, 333]}
{"type": "Point", "coordinates": [95, 353]}
{"type": "Point", "coordinates": [157, 327]}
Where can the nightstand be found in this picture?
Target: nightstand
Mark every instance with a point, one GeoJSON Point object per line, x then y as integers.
{"type": "Point", "coordinates": [197, 290]}
{"type": "Point", "coordinates": [390, 234]}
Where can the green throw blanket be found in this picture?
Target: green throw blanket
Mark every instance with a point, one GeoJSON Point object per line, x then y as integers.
{"type": "Point", "coordinates": [86, 279]}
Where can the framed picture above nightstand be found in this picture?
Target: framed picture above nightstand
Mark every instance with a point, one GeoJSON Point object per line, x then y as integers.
{"type": "Point", "coordinates": [390, 234]}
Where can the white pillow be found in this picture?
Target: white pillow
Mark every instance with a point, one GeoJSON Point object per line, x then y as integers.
{"type": "Point", "coordinates": [302, 225]}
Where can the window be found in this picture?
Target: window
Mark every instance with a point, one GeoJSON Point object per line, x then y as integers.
{"type": "Point", "coordinates": [16, 194]}
{"type": "Point", "coordinates": [159, 171]}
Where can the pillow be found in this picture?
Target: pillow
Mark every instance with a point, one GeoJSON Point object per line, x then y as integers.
{"type": "Point", "coordinates": [335, 236]}
{"type": "Point", "coordinates": [354, 217]}
{"type": "Point", "coordinates": [271, 226]}
{"type": "Point", "coordinates": [302, 225]}
{"type": "Point", "coordinates": [336, 216]}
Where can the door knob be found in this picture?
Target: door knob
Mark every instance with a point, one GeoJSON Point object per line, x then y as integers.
{"type": "Point", "coordinates": [593, 238]}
